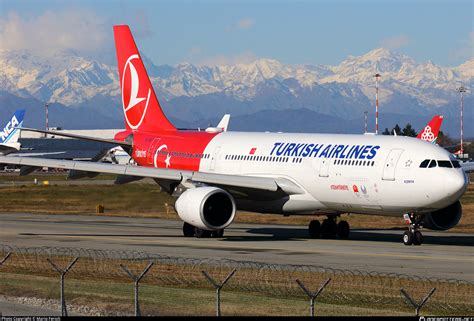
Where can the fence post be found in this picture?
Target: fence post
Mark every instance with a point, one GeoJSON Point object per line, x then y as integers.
{"type": "Point", "coordinates": [312, 295]}
{"type": "Point", "coordinates": [218, 288]}
{"type": "Point", "coordinates": [62, 274]}
{"type": "Point", "coordinates": [416, 305]}
{"type": "Point", "coordinates": [5, 258]}
{"type": "Point", "coordinates": [136, 279]}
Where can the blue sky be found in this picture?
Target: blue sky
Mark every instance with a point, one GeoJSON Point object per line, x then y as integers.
{"type": "Point", "coordinates": [212, 32]}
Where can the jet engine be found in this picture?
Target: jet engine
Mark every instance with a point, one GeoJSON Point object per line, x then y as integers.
{"type": "Point", "coordinates": [445, 218]}
{"type": "Point", "coordinates": [208, 208]}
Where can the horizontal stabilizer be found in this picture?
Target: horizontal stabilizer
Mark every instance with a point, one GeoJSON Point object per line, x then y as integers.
{"type": "Point", "coordinates": [93, 139]}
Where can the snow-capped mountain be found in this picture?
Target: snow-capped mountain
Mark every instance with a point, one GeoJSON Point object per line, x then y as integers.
{"type": "Point", "coordinates": [64, 78]}
{"type": "Point", "coordinates": [69, 79]}
{"type": "Point", "coordinates": [199, 92]}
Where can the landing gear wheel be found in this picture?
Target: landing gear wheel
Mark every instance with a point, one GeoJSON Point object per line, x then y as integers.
{"type": "Point", "coordinates": [201, 233]}
{"type": "Point", "coordinates": [417, 238]}
{"type": "Point", "coordinates": [408, 238]}
{"type": "Point", "coordinates": [217, 233]}
{"type": "Point", "coordinates": [329, 228]}
{"type": "Point", "coordinates": [413, 236]}
{"type": "Point", "coordinates": [188, 230]}
{"type": "Point", "coordinates": [343, 229]}
{"type": "Point", "coordinates": [314, 229]}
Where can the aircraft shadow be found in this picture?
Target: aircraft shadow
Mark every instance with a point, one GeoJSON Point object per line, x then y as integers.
{"type": "Point", "coordinates": [292, 234]}
{"type": "Point", "coordinates": [288, 233]}
{"type": "Point", "coordinates": [103, 235]}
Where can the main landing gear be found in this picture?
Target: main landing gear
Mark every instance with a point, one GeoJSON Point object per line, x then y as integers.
{"type": "Point", "coordinates": [413, 236]}
{"type": "Point", "coordinates": [192, 231]}
{"type": "Point", "coordinates": [329, 229]}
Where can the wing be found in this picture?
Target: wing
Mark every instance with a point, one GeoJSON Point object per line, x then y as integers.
{"type": "Point", "coordinates": [250, 185]}
{"type": "Point", "coordinates": [468, 167]}
{"type": "Point", "coordinates": [93, 139]}
{"type": "Point", "coordinates": [5, 149]}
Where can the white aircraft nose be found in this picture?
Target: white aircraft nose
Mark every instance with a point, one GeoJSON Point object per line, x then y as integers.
{"type": "Point", "coordinates": [454, 184]}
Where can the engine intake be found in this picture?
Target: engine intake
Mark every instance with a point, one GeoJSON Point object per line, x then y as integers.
{"type": "Point", "coordinates": [445, 218]}
{"type": "Point", "coordinates": [209, 208]}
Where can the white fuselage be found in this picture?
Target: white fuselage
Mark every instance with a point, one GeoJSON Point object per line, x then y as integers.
{"type": "Point", "coordinates": [340, 173]}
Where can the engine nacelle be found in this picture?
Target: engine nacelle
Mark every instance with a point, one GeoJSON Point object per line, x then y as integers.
{"type": "Point", "coordinates": [445, 218]}
{"type": "Point", "coordinates": [208, 208]}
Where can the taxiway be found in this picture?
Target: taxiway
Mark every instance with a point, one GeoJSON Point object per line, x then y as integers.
{"type": "Point", "coordinates": [443, 254]}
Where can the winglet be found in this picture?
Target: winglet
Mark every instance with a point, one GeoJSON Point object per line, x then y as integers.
{"type": "Point", "coordinates": [224, 123]}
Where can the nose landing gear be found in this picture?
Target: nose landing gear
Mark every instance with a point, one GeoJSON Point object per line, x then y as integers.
{"type": "Point", "coordinates": [413, 236]}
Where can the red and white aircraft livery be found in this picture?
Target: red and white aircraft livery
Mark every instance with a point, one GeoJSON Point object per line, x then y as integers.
{"type": "Point", "coordinates": [430, 132]}
{"type": "Point", "coordinates": [213, 174]}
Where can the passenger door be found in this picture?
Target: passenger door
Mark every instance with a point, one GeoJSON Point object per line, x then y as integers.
{"type": "Point", "coordinates": [391, 164]}
{"type": "Point", "coordinates": [214, 157]}
{"type": "Point", "coordinates": [324, 168]}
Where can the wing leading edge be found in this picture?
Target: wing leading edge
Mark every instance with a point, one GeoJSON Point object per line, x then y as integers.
{"type": "Point", "coordinates": [268, 184]}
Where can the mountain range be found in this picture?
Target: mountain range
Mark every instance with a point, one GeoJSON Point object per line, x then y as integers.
{"type": "Point", "coordinates": [262, 95]}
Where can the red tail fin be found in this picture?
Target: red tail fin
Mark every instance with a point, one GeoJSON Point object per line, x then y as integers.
{"type": "Point", "coordinates": [430, 132]}
{"type": "Point", "coordinates": [141, 108]}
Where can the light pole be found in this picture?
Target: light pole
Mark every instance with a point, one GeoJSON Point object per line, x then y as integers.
{"type": "Point", "coordinates": [377, 76]}
{"type": "Point", "coordinates": [365, 123]}
{"type": "Point", "coordinates": [462, 90]}
{"type": "Point", "coordinates": [46, 114]}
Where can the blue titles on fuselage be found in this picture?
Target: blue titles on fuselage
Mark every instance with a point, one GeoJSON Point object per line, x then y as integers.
{"type": "Point", "coordinates": [324, 151]}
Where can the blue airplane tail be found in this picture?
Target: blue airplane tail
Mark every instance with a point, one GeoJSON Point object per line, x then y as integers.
{"type": "Point", "coordinates": [11, 132]}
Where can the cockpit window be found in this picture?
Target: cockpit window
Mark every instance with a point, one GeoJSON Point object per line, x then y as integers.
{"type": "Point", "coordinates": [456, 164]}
{"type": "Point", "coordinates": [445, 163]}
{"type": "Point", "coordinates": [424, 163]}
{"type": "Point", "coordinates": [432, 164]}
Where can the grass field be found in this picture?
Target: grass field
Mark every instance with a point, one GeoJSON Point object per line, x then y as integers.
{"type": "Point", "coordinates": [22, 196]}
{"type": "Point", "coordinates": [116, 298]}
{"type": "Point", "coordinates": [182, 290]}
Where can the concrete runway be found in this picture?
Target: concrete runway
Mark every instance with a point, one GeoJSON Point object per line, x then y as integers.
{"type": "Point", "coordinates": [443, 254]}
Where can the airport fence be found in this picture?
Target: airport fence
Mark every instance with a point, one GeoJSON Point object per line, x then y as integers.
{"type": "Point", "coordinates": [353, 287]}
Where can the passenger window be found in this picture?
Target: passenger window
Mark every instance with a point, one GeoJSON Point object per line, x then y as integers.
{"type": "Point", "coordinates": [424, 164]}
{"type": "Point", "coordinates": [432, 164]}
{"type": "Point", "coordinates": [456, 164]}
{"type": "Point", "coordinates": [445, 163]}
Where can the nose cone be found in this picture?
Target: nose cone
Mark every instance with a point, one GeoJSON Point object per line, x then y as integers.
{"type": "Point", "coordinates": [454, 184]}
